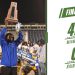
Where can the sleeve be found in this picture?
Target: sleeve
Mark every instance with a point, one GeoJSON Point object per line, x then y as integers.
{"type": "Point", "coordinates": [2, 35]}
{"type": "Point", "coordinates": [19, 39]}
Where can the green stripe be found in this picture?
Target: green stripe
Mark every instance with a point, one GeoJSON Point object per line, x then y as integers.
{"type": "Point", "coordinates": [61, 13]}
{"type": "Point", "coordinates": [46, 37]}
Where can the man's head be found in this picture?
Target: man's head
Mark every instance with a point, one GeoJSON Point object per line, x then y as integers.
{"type": "Point", "coordinates": [24, 43]}
{"type": "Point", "coordinates": [9, 37]}
{"type": "Point", "coordinates": [41, 42]}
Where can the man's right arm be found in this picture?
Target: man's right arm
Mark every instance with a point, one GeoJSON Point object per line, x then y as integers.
{"type": "Point", "coordinates": [2, 35]}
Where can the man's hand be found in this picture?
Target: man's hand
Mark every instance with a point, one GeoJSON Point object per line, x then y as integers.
{"type": "Point", "coordinates": [18, 26]}
{"type": "Point", "coordinates": [5, 25]}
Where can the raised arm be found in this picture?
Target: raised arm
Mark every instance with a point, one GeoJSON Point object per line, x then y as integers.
{"type": "Point", "coordinates": [2, 35]}
{"type": "Point", "coordinates": [19, 39]}
{"type": "Point", "coordinates": [3, 32]}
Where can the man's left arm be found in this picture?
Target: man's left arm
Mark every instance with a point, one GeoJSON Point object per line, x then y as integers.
{"type": "Point", "coordinates": [19, 39]}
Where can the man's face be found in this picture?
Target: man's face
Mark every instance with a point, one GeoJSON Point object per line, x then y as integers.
{"type": "Point", "coordinates": [9, 37]}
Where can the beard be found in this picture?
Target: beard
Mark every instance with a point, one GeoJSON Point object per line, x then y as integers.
{"type": "Point", "coordinates": [10, 40]}
{"type": "Point", "coordinates": [9, 37]}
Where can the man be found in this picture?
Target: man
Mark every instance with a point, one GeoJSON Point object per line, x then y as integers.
{"type": "Point", "coordinates": [42, 56]}
{"type": "Point", "coordinates": [9, 52]}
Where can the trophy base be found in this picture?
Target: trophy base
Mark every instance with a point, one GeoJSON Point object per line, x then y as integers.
{"type": "Point", "coordinates": [11, 22]}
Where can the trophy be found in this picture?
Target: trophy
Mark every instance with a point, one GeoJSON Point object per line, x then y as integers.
{"type": "Point", "coordinates": [12, 17]}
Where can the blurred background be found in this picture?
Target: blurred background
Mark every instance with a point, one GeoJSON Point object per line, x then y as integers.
{"type": "Point", "coordinates": [29, 11]}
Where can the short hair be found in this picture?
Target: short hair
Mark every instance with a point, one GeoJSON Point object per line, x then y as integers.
{"type": "Point", "coordinates": [24, 43]}
{"type": "Point", "coordinates": [42, 41]}
{"type": "Point", "coordinates": [7, 34]}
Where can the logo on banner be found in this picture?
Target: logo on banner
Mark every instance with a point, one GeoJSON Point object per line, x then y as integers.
{"type": "Point", "coordinates": [67, 12]}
